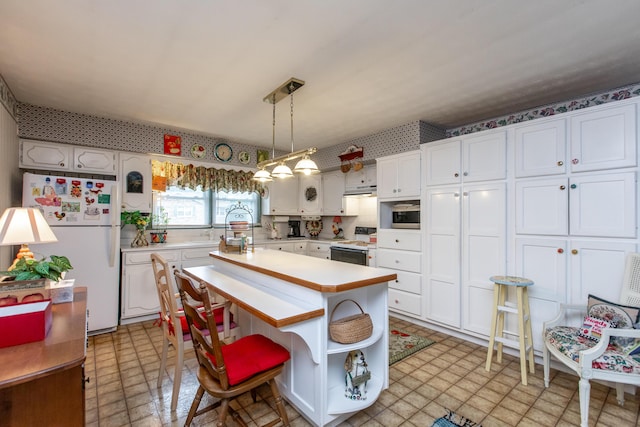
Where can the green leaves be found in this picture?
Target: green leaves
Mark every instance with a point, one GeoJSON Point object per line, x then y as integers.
{"type": "Point", "coordinates": [31, 269]}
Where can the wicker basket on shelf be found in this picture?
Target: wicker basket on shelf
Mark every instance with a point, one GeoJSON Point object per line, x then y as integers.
{"type": "Point", "coordinates": [352, 328]}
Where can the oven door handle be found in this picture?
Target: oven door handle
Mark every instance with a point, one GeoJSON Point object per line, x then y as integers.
{"type": "Point", "coordinates": [340, 248]}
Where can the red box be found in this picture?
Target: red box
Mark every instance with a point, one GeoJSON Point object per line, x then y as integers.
{"type": "Point", "coordinates": [24, 323]}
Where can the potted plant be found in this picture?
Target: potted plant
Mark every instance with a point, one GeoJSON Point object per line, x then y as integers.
{"type": "Point", "coordinates": [159, 222]}
{"type": "Point", "coordinates": [140, 221]}
{"type": "Point", "coordinates": [32, 269]}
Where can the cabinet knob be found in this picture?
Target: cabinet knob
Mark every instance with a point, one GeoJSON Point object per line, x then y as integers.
{"type": "Point", "coordinates": [560, 250]}
{"type": "Point", "coordinates": [573, 186]}
{"type": "Point", "coordinates": [397, 302]}
{"type": "Point", "coordinates": [397, 241]}
{"type": "Point", "coordinates": [456, 194]}
{"type": "Point", "coordinates": [465, 194]}
{"type": "Point", "coordinates": [61, 164]}
{"type": "Point", "coordinates": [397, 281]}
{"type": "Point", "coordinates": [560, 163]}
{"type": "Point", "coordinates": [399, 190]}
{"type": "Point", "coordinates": [456, 174]}
{"type": "Point", "coordinates": [397, 261]}
{"type": "Point", "coordinates": [562, 187]}
{"type": "Point", "coordinates": [575, 161]}
{"type": "Point", "coordinates": [574, 251]}
{"type": "Point", "coordinates": [465, 174]}
{"type": "Point", "coordinates": [394, 190]}
{"type": "Point", "coordinates": [79, 166]}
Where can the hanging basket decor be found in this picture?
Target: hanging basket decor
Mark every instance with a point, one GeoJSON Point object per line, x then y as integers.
{"type": "Point", "coordinates": [350, 159]}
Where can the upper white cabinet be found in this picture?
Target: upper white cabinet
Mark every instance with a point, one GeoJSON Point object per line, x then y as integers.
{"type": "Point", "coordinates": [45, 155]}
{"type": "Point", "coordinates": [468, 159]}
{"type": "Point", "coordinates": [310, 194]}
{"type": "Point", "coordinates": [399, 176]}
{"type": "Point", "coordinates": [94, 160]}
{"type": "Point", "coordinates": [65, 157]}
{"type": "Point", "coordinates": [604, 138]}
{"type": "Point", "coordinates": [333, 200]}
{"type": "Point", "coordinates": [364, 179]}
{"type": "Point", "coordinates": [281, 197]}
{"type": "Point", "coordinates": [135, 176]}
{"type": "Point", "coordinates": [541, 148]}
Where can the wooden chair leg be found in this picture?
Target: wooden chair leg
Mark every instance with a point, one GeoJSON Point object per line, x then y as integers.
{"type": "Point", "coordinates": [177, 379]}
{"type": "Point", "coordinates": [492, 333]}
{"type": "Point", "coordinates": [527, 311]}
{"type": "Point", "coordinates": [194, 406]}
{"type": "Point", "coordinates": [584, 389]}
{"type": "Point", "coordinates": [224, 410]}
{"type": "Point", "coordinates": [279, 403]}
{"type": "Point", "coordinates": [522, 336]}
{"type": "Point", "coordinates": [163, 360]}
{"type": "Point", "coordinates": [502, 300]}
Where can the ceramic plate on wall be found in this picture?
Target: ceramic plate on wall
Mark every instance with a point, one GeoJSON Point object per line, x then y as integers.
{"type": "Point", "coordinates": [223, 152]}
{"type": "Point", "coordinates": [198, 151]}
{"type": "Point", "coordinates": [244, 157]}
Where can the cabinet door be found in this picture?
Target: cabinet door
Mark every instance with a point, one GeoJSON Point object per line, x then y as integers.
{"type": "Point", "coordinates": [484, 157]}
{"type": "Point", "coordinates": [541, 206]}
{"type": "Point", "coordinates": [93, 160]}
{"type": "Point", "coordinates": [441, 162]}
{"type": "Point", "coordinates": [442, 253]}
{"type": "Point", "coordinates": [409, 175]}
{"type": "Point", "coordinates": [44, 155]}
{"type": "Point", "coordinates": [139, 295]}
{"type": "Point", "coordinates": [332, 192]}
{"type": "Point", "coordinates": [282, 198]}
{"type": "Point", "coordinates": [406, 240]}
{"type": "Point", "coordinates": [387, 178]}
{"type": "Point", "coordinates": [483, 250]}
{"type": "Point", "coordinates": [135, 174]}
{"type": "Point", "coordinates": [310, 196]}
{"type": "Point", "coordinates": [603, 205]}
{"type": "Point", "coordinates": [540, 149]}
{"type": "Point", "coordinates": [604, 139]}
{"type": "Point", "coordinates": [597, 268]}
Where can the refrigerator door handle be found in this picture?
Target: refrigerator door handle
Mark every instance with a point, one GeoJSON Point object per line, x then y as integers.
{"type": "Point", "coordinates": [115, 226]}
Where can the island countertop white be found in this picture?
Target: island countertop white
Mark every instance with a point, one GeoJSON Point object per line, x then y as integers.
{"type": "Point", "coordinates": [314, 273]}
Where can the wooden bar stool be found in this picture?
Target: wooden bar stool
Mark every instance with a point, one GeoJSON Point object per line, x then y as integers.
{"type": "Point", "coordinates": [521, 309]}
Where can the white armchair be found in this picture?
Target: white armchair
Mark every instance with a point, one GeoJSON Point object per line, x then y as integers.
{"type": "Point", "coordinates": [606, 359]}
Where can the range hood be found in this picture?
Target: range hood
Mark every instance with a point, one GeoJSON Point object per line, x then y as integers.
{"type": "Point", "coordinates": [365, 190]}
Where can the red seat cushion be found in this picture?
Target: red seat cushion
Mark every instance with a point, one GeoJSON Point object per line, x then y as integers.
{"type": "Point", "coordinates": [251, 355]}
{"type": "Point", "coordinates": [218, 315]}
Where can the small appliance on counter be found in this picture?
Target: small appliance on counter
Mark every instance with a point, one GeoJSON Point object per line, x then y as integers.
{"type": "Point", "coordinates": [294, 229]}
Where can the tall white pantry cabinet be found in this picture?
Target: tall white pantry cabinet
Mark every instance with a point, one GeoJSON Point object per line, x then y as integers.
{"type": "Point", "coordinates": [562, 210]}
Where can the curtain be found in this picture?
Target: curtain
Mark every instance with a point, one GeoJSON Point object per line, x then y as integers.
{"type": "Point", "coordinates": [190, 176]}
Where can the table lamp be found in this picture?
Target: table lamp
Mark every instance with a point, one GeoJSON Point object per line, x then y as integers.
{"type": "Point", "coordinates": [21, 226]}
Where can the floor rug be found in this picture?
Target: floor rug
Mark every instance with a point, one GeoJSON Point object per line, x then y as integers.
{"type": "Point", "coordinates": [402, 345]}
{"type": "Point", "coordinates": [454, 420]}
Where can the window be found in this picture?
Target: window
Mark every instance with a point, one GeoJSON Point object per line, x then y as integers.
{"type": "Point", "coordinates": [196, 208]}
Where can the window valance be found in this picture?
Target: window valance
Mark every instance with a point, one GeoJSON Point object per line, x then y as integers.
{"type": "Point", "coordinates": [191, 176]}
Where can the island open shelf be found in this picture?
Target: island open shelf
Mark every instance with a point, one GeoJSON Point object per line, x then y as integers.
{"type": "Point", "coordinates": [289, 298]}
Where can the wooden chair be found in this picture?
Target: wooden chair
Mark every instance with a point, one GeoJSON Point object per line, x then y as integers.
{"type": "Point", "coordinates": [228, 371]}
{"type": "Point", "coordinates": [605, 359]}
{"type": "Point", "coordinates": [175, 330]}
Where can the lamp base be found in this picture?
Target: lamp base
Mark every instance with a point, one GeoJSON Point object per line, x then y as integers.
{"type": "Point", "coordinates": [24, 252]}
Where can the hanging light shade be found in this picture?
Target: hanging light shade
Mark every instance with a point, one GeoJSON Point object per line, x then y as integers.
{"type": "Point", "coordinates": [262, 175]}
{"type": "Point", "coordinates": [282, 171]}
{"type": "Point", "coordinates": [306, 166]}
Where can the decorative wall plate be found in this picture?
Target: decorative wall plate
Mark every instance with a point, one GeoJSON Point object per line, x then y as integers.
{"type": "Point", "coordinates": [198, 151]}
{"type": "Point", "coordinates": [223, 152]}
{"type": "Point", "coordinates": [244, 157]}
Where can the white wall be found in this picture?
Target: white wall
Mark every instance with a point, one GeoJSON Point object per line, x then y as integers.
{"type": "Point", "coordinates": [10, 178]}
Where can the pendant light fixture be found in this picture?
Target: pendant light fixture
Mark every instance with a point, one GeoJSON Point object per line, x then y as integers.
{"type": "Point", "coordinates": [305, 165]}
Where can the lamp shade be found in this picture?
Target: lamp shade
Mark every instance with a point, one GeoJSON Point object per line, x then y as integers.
{"type": "Point", "coordinates": [306, 166]}
{"type": "Point", "coordinates": [24, 225]}
{"type": "Point", "coordinates": [262, 175]}
{"type": "Point", "coordinates": [282, 171]}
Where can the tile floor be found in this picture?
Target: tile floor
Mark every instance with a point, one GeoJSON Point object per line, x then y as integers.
{"type": "Point", "coordinates": [123, 370]}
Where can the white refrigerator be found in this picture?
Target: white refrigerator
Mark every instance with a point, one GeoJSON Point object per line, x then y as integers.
{"type": "Point", "coordinates": [83, 213]}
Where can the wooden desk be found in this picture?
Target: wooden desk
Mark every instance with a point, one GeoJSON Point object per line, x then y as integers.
{"type": "Point", "coordinates": [42, 383]}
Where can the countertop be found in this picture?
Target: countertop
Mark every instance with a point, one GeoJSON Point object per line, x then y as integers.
{"type": "Point", "coordinates": [314, 273]}
{"type": "Point", "coordinates": [213, 244]}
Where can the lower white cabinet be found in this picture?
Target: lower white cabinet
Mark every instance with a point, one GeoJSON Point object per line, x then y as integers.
{"type": "Point", "coordinates": [319, 249]}
{"type": "Point", "coordinates": [139, 297]}
{"type": "Point", "coordinates": [281, 246]}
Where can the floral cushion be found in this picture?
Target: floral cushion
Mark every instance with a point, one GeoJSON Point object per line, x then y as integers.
{"type": "Point", "coordinates": [568, 342]}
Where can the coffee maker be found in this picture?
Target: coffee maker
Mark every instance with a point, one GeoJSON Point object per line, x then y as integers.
{"type": "Point", "coordinates": [294, 229]}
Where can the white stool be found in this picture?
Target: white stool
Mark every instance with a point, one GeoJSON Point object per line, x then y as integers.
{"type": "Point", "coordinates": [525, 343]}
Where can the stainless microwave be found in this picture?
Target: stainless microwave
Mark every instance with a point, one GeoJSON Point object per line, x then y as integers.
{"type": "Point", "coordinates": [405, 215]}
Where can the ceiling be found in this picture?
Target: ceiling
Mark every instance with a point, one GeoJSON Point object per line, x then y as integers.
{"type": "Point", "coordinates": [369, 65]}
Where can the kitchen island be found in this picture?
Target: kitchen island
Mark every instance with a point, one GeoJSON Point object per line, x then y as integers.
{"type": "Point", "coordinates": [290, 298]}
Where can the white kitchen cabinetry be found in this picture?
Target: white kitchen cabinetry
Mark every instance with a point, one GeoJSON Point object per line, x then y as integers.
{"type": "Point", "coordinates": [541, 148]}
{"type": "Point", "coordinates": [282, 197]}
{"type": "Point", "coordinates": [468, 159]}
{"type": "Point", "coordinates": [567, 271]}
{"type": "Point", "coordinates": [466, 244]}
{"type": "Point", "coordinates": [139, 297]}
{"type": "Point", "coordinates": [333, 200]}
{"type": "Point", "coordinates": [300, 247]}
{"type": "Point", "coordinates": [135, 176]}
{"type": "Point", "coordinates": [604, 138]}
{"type": "Point", "coordinates": [400, 250]}
{"type": "Point", "coordinates": [310, 194]}
{"type": "Point", "coordinates": [319, 249]}
{"type": "Point", "coordinates": [594, 205]}
{"type": "Point", "coordinates": [399, 176]}
{"type": "Point", "coordinates": [93, 160]}
{"type": "Point", "coordinates": [281, 246]}
{"type": "Point", "coordinates": [66, 157]}
{"type": "Point", "coordinates": [364, 179]}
